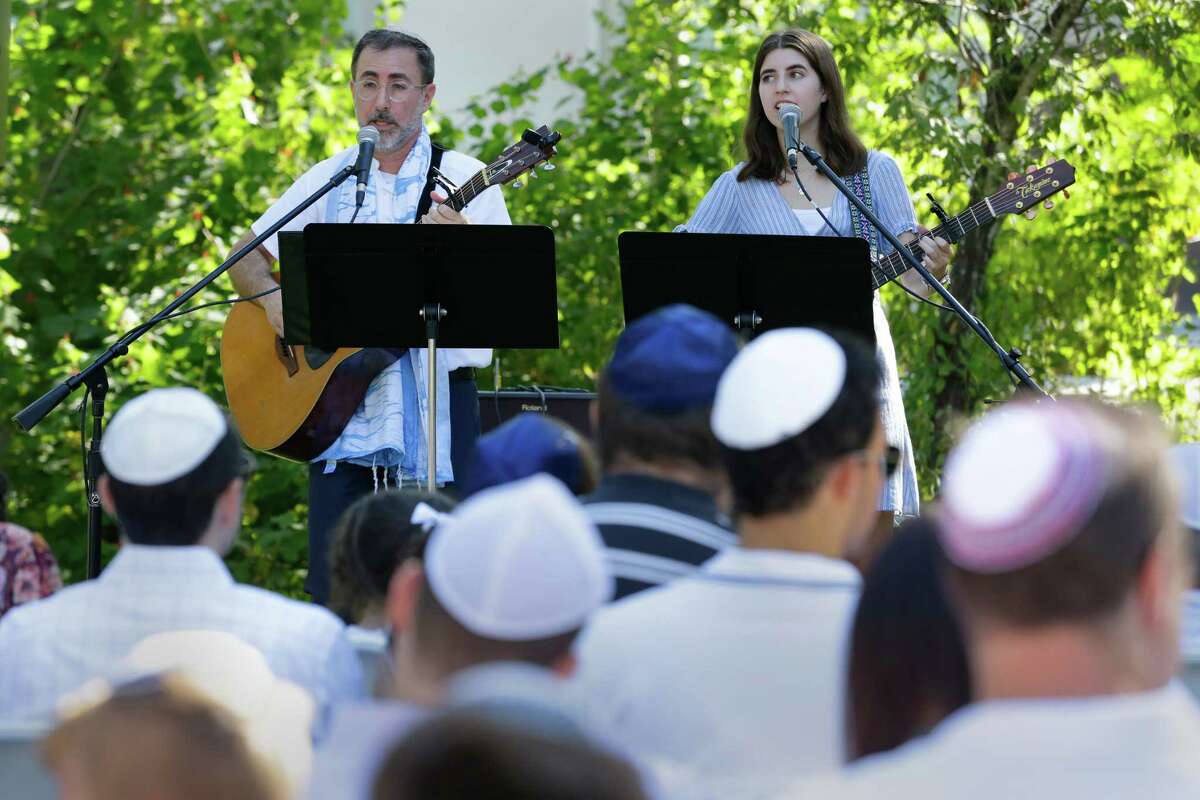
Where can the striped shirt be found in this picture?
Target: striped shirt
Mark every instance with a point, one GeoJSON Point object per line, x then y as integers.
{"type": "Point", "coordinates": [757, 207]}
{"type": "Point", "coordinates": [655, 530]}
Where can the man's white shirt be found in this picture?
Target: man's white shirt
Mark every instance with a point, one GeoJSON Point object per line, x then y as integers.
{"type": "Point", "coordinates": [1112, 747]}
{"type": "Point", "coordinates": [486, 209]}
{"type": "Point", "coordinates": [736, 670]}
{"type": "Point", "coordinates": [50, 647]}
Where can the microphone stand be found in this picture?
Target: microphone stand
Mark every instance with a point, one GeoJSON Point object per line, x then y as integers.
{"type": "Point", "coordinates": [95, 377]}
{"type": "Point", "coordinates": [1009, 358]}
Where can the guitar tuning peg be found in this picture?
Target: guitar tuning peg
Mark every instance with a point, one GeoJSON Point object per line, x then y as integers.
{"type": "Point", "coordinates": [549, 167]}
{"type": "Point", "coordinates": [517, 184]}
{"type": "Point", "coordinates": [533, 173]}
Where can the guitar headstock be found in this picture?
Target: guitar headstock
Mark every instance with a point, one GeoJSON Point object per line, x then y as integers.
{"type": "Point", "coordinates": [535, 147]}
{"type": "Point", "coordinates": [1026, 191]}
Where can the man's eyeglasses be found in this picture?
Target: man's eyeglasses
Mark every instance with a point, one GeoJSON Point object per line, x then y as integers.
{"type": "Point", "coordinates": [397, 91]}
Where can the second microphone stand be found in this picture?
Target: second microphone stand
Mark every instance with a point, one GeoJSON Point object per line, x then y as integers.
{"type": "Point", "coordinates": [95, 377]}
{"type": "Point", "coordinates": [1007, 358]}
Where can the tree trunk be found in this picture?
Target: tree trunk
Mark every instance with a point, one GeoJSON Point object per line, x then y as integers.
{"type": "Point", "coordinates": [5, 35]}
{"type": "Point", "coordinates": [955, 340]}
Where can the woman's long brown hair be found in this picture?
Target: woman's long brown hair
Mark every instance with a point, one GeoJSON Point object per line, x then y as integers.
{"type": "Point", "coordinates": [844, 151]}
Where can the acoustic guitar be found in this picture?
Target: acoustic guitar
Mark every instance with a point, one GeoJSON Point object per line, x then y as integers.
{"type": "Point", "coordinates": [1018, 196]}
{"type": "Point", "coordinates": [294, 401]}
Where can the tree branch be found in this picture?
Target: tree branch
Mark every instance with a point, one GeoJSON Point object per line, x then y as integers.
{"type": "Point", "coordinates": [1046, 45]}
{"type": "Point", "coordinates": [982, 11]}
{"type": "Point", "coordinates": [76, 126]}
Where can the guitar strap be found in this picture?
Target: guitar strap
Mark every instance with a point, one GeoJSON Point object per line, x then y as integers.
{"type": "Point", "coordinates": [435, 162]}
{"type": "Point", "coordinates": [860, 184]}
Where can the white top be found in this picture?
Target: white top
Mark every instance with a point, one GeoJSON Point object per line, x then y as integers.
{"type": "Point", "coordinates": [1189, 635]}
{"type": "Point", "coordinates": [486, 209]}
{"type": "Point", "coordinates": [811, 221]}
{"type": "Point", "coordinates": [1113, 747]}
{"type": "Point", "coordinates": [51, 647]}
{"type": "Point", "coordinates": [360, 737]}
{"type": "Point", "coordinates": [737, 669]}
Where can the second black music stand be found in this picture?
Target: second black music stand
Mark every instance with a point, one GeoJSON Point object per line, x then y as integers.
{"type": "Point", "coordinates": [754, 283]}
{"type": "Point", "coordinates": [431, 286]}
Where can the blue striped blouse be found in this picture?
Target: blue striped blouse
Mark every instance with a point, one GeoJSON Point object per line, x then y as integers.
{"type": "Point", "coordinates": [756, 206]}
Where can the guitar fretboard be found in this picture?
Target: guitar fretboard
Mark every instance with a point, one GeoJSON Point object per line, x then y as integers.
{"type": "Point", "coordinates": [468, 191]}
{"type": "Point", "coordinates": [893, 265]}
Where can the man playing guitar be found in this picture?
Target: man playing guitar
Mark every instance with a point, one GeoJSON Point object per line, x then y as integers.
{"type": "Point", "coordinates": [384, 441]}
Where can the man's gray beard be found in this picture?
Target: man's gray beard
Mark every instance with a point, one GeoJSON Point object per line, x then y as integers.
{"type": "Point", "coordinates": [393, 140]}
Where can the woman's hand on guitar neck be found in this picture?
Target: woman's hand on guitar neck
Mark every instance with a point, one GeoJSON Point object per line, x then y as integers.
{"type": "Point", "coordinates": [936, 259]}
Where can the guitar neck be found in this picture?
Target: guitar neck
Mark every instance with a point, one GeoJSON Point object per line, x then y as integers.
{"type": "Point", "coordinates": [893, 265]}
{"type": "Point", "coordinates": [468, 191]}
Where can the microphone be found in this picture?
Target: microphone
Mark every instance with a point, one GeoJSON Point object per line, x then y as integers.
{"type": "Point", "coordinates": [789, 115]}
{"type": "Point", "coordinates": [368, 137]}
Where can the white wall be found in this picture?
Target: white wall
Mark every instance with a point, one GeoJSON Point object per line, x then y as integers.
{"type": "Point", "coordinates": [480, 43]}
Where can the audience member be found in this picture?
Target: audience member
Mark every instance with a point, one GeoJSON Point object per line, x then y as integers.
{"type": "Point", "coordinates": [174, 482]}
{"type": "Point", "coordinates": [527, 444]}
{"type": "Point", "coordinates": [28, 570]}
{"type": "Point", "coordinates": [274, 716]}
{"type": "Point", "coordinates": [1067, 564]}
{"type": "Point", "coordinates": [375, 535]}
{"type": "Point", "coordinates": [464, 755]}
{"type": "Point", "coordinates": [908, 663]}
{"type": "Point", "coordinates": [512, 575]}
{"type": "Point", "coordinates": [661, 503]}
{"type": "Point", "coordinates": [737, 671]}
{"type": "Point", "coordinates": [157, 738]}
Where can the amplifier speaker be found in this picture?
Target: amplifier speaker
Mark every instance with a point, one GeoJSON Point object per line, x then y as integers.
{"type": "Point", "coordinates": [569, 405]}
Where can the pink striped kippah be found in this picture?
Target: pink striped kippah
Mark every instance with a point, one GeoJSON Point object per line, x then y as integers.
{"type": "Point", "coordinates": [1020, 485]}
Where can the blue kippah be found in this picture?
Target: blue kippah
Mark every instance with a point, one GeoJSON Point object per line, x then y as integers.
{"type": "Point", "coordinates": [670, 360]}
{"type": "Point", "coordinates": [525, 445]}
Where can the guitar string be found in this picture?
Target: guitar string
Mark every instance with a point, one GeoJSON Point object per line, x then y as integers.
{"type": "Point", "coordinates": [899, 266]}
{"type": "Point", "coordinates": [478, 183]}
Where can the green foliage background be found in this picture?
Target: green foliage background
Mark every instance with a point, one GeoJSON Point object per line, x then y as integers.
{"type": "Point", "coordinates": [145, 136]}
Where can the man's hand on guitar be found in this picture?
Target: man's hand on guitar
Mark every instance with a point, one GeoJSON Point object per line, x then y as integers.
{"type": "Point", "coordinates": [443, 215]}
{"type": "Point", "coordinates": [272, 304]}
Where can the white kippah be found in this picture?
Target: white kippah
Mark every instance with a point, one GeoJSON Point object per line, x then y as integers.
{"type": "Point", "coordinates": [1187, 463]}
{"type": "Point", "coordinates": [777, 387]}
{"type": "Point", "coordinates": [162, 435]}
{"type": "Point", "coordinates": [518, 562]}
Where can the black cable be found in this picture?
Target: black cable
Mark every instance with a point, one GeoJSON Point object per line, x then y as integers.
{"type": "Point", "coordinates": [147, 325]}
{"type": "Point", "coordinates": [836, 232]}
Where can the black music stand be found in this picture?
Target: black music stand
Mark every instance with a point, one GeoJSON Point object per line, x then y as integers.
{"type": "Point", "coordinates": [431, 286]}
{"type": "Point", "coordinates": [755, 283]}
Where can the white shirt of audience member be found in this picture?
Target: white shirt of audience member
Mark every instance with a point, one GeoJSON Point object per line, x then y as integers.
{"type": "Point", "coordinates": [736, 670]}
{"type": "Point", "coordinates": [1142, 745]}
{"type": "Point", "coordinates": [51, 647]}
